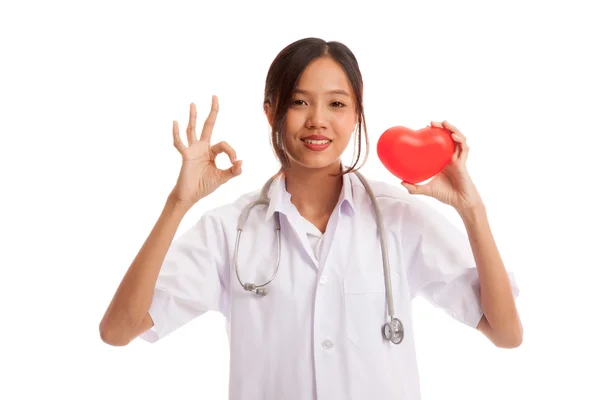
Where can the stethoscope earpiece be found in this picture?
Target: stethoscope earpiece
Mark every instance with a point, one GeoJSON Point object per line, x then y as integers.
{"type": "Point", "coordinates": [251, 287]}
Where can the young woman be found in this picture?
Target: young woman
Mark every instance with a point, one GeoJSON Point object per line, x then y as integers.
{"type": "Point", "coordinates": [317, 329]}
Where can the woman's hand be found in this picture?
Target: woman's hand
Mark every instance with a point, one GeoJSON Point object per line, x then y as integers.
{"type": "Point", "coordinates": [199, 175]}
{"type": "Point", "coordinates": [453, 185]}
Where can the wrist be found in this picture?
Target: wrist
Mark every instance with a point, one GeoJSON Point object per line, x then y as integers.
{"type": "Point", "coordinates": [471, 212]}
{"type": "Point", "coordinates": [175, 207]}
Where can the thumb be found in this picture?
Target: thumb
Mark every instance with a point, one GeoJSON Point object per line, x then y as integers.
{"type": "Point", "coordinates": [415, 189]}
{"type": "Point", "coordinates": [234, 170]}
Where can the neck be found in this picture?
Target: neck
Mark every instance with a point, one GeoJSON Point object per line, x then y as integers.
{"type": "Point", "coordinates": [314, 192]}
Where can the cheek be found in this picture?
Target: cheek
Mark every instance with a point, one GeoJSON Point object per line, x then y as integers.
{"type": "Point", "coordinates": [294, 120]}
{"type": "Point", "coordinates": [344, 123]}
{"type": "Point", "coordinates": [293, 124]}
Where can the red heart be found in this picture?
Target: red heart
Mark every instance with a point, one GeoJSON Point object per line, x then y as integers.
{"type": "Point", "coordinates": [415, 156]}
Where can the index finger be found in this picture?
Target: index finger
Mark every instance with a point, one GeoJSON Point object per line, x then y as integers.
{"type": "Point", "coordinates": [191, 129]}
{"type": "Point", "coordinates": [451, 127]}
{"type": "Point", "coordinates": [210, 120]}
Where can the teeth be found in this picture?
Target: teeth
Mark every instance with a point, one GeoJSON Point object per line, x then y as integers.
{"type": "Point", "coordinates": [316, 141]}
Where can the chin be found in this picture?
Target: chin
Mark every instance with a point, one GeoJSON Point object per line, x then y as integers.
{"type": "Point", "coordinates": [315, 161]}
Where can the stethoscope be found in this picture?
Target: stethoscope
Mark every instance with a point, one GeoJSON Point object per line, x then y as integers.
{"type": "Point", "coordinates": [393, 329]}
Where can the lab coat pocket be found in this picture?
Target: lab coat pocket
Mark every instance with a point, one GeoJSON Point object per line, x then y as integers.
{"type": "Point", "coordinates": [365, 308]}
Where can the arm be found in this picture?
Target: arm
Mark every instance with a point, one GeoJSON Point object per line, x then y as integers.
{"type": "Point", "coordinates": [461, 274]}
{"type": "Point", "coordinates": [127, 315]}
{"type": "Point", "coordinates": [500, 322]}
{"type": "Point", "coordinates": [453, 186]}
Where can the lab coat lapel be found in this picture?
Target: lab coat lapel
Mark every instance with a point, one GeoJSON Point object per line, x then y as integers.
{"type": "Point", "coordinates": [280, 202]}
{"type": "Point", "coordinates": [297, 225]}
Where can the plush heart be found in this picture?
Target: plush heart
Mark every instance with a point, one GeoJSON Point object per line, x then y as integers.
{"type": "Point", "coordinates": [415, 156]}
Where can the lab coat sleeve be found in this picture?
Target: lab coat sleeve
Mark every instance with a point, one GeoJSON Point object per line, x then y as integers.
{"type": "Point", "coordinates": [440, 263]}
{"type": "Point", "coordinates": [190, 281]}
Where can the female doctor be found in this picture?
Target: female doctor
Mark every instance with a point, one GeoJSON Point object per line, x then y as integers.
{"type": "Point", "coordinates": [321, 327]}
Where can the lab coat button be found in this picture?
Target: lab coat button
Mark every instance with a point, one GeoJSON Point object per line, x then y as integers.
{"type": "Point", "coordinates": [323, 280]}
{"type": "Point", "coordinates": [328, 344]}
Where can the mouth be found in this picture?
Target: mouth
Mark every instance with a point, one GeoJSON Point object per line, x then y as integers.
{"type": "Point", "coordinates": [316, 143]}
{"type": "Point", "coordinates": [316, 140]}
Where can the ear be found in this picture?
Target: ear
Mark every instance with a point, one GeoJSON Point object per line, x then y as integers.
{"type": "Point", "coordinates": [267, 108]}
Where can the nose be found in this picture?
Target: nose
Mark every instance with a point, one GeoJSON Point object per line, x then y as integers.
{"type": "Point", "coordinates": [317, 117]}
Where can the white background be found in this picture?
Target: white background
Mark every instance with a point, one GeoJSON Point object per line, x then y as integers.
{"type": "Point", "coordinates": [88, 93]}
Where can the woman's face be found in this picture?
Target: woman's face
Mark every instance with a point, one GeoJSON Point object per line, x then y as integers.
{"type": "Point", "coordinates": [322, 117]}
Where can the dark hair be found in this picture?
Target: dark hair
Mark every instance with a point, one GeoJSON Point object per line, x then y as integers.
{"type": "Point", "coordinates": [282, 79]}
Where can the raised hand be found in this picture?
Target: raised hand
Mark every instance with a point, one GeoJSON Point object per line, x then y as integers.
{"type": "Point", "coordinates": [199, 175]}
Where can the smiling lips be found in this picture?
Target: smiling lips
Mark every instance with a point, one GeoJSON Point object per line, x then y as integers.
{"type": "Point", "coordinates": [316, 142]}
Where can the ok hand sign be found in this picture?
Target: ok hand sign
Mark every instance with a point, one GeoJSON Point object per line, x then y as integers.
{"type": "Point", "coordinates": [199, 175]}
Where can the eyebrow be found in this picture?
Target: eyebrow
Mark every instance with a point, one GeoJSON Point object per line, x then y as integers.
{"type": "Point", "coordinates": [337, 91]}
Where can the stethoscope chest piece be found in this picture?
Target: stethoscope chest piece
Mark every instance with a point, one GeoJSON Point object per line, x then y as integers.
{"type": "Point", "coordinates": [394, 331]}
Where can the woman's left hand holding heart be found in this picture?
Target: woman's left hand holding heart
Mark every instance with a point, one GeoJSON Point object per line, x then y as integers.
{"type": "Point", "coordinates": [453, 185]}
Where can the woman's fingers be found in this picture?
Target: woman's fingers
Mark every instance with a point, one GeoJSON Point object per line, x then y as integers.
{"type": "Point", "coordinates": [191, 129]}
{"type": "Point", "coordinates": [210, 120]}
{"type": "Point", "coordinates": [206, 130]}
{"type": "Point", "coordinates": [457, 149]}
{"type": "Point", "coordinates": [236, 167]}
{"type": "Point", "coordinates": [461, 149]}
{"type": "Point", "coordinates": [176, 138]}
{"type": "Point", "coordinates": [464, 152]}
{"type": "Point", "coordinates": [423, 189]}
{"type": "Point", "coordinates": [449, 126]}
{"type": "Point", "coordinates": [224, 147]}
{"type": "Point", "coordinates": [454, 130]}
{"type": "Point", "coordinates": [235, 170]}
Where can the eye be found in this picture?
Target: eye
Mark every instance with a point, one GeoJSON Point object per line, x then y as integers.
{"type": "Point", "coordinates": [297, 102]}
{"type": "Point", "coordinates": [337, 104]}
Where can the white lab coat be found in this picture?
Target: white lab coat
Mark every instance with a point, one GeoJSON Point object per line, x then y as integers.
{"type": "Point", "coordinates": [317, 334]}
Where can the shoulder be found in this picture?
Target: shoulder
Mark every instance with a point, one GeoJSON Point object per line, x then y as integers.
{"type": "Point", "coordinates": [395, 203]}
{"type": "Point", "coordinates": [386, 194]}
{"type": "Point", "coordinates": [384, 190]}
{"type": "Point", "coordinates": [228, 212]}
{"type": "Point", "coordinates": [215, 226]}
